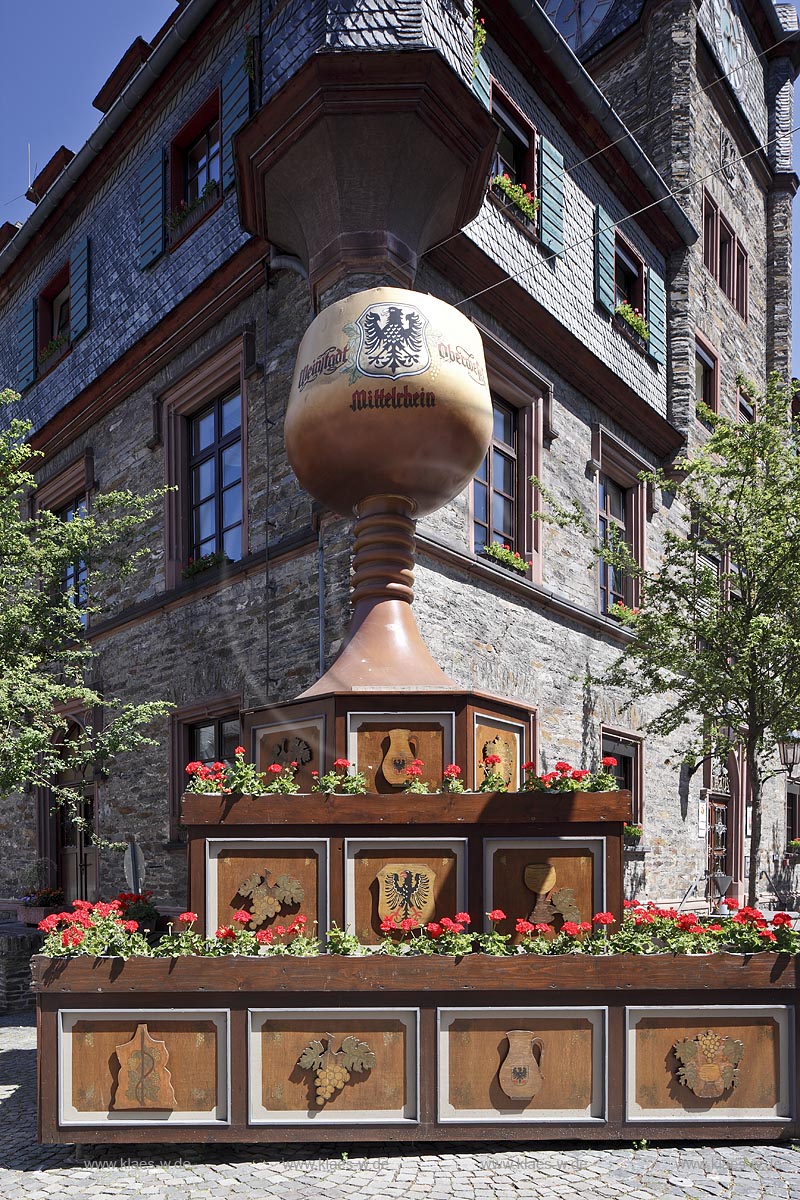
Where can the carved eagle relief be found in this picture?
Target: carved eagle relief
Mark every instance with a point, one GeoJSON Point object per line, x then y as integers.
{"type": "Point", "coordinates": [406, 890]}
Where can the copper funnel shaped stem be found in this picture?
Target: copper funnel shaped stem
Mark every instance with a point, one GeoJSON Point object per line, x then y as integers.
{"type": "Point", "coordinates": [383, 649]}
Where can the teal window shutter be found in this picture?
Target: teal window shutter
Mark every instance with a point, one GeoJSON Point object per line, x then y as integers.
{"type": "Point", "coordinates": [79, 289]}
{"type": "Point", "coordinates": [235, 112]}
{"type": "Point", "coordinates": [604, 246]}
{"type": "Point", "coordinates": [152, 230]}
{"type": "Point", "coordinates": [656, 314]}
{"type": "Point", "coordinates": [551, 197]}
{"type": "Point", "coordinates": [27, 346]}
{"type": "Point", "coordinates": [482, 82]}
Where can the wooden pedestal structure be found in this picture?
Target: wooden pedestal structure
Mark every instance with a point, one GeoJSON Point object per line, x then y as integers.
{"type": "Point", "coordinates": [233, 1030]}
{"type": "Point", "coordinates": [412, 1048]}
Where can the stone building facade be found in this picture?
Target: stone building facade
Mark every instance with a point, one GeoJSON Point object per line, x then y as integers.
{"type": "Point", "coordinates": [183, 237]}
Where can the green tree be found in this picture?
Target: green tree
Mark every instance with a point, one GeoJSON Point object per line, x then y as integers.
{"type": "Point", "coordinates": [717, 630]}
{"type": "Point", "coordinates": [46, 659]}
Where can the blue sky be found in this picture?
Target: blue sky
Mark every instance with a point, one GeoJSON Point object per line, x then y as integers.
{"type": "Point", "coordinates": [57, 57]}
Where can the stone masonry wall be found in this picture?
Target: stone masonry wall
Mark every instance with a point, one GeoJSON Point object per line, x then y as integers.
{"type": "Point", "coordinates": [661, 94]}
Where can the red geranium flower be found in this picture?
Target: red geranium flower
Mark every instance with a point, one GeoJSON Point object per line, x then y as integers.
{"type": "Point", "coordinates": [571, 928]}
{"type": "Point", "coordinates": [496, 914]}
{"type": "Point", "coordinates": [275, 768]}
{"type": "Point", "coordinates": [781, 918]}
{"type": "Point", "coordinates": [188, 916]}
{"type": "Point", "coordinates": [241, 917]}
{"type": "Point", "coordinates": [341, 764]}
{"type": "Point", "coordinates": [434, 929]}
{"type": "Point", "coordinates": [604, 918]}
{"type": "Point", "coordinates": [491, 760]}
{"type": "Point", "coordinates": [239, 750]}
{"type": "Point", "coordinates": [523, 926]}
{"type": "Point", "coordinates": [464, 918]}
{"type": "Point", "coordinates": [608, 761]}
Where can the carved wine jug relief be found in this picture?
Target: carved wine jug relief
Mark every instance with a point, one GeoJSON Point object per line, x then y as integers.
{"type": "Point", "coordinates": [144, 1082]}
{"type": "Point", "coordinates": [406, 890]}
{"type": "Point", "coordinates": [402, 750]}
{"type": "Point", "coordinates": [709, 1063]}
{"type": "Point", "coordinates": [520, 1075]}
{"type": "Point", "coordinates": [540, 878]}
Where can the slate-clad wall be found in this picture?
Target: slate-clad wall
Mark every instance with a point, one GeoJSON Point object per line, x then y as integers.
{"type": "Point", "coordinates": [126, 302]}
{"type": "Point", "coordinates": [565, 285]}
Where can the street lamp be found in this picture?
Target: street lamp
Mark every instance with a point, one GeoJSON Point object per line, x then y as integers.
{"type": "Point", "coordinates": [789, 751]}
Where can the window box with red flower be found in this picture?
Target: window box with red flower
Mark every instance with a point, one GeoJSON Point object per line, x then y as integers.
{"type": "Point", "coordinates": [517, 198]}
{"type": "Point", "coordinates": [566, 778]}
{"type": "Point", "coordinates": [500, 552]}
{"type": "Point", "coordinates": [340, 780]}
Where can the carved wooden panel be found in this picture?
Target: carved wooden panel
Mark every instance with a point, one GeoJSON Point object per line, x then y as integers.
{"type": "Point", "coordinates": [546, 881]}
{"type": "Point", "coordinates": [712, 1063]}
{"type": "Point", "coordinates": [521, 1064]}
{"type": "Point", "coordinates": [299, 742]}
{"type": "Point", "coordinates": [144, 1066]}
{"type": "Point", "coordinates": [386, 747]}
{"type": "Point", "coordinates": [340, 1065]}
{"type": "Point", "coordinates": [503, 739]}
{"type": "Point", "coordinates": [144, 1081]}
{"type": "Point", "coordinates": [274, 880]}
{"type": "Point", "coordinates": [385, 874]}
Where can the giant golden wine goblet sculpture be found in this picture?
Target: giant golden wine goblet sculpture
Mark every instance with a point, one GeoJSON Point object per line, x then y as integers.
{"type": "Point", "coordinates": [389, 418]}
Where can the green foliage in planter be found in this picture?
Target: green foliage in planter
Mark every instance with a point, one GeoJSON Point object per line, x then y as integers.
{"type": "Point", "coordinates": [196, 566]}
{"type": "Point", "coordinates": [53, 347]}
{"type": "Point", "coordinates": [339, 779]}
{"type": "Point", "coordinates": [645, 929]}
{"type": "Point", "coordinates": [631, 316]}
{"type": "Point", "coordinates": [500, 553]}
{"type": "Point", "coordinates": [633, 833]}
{"type": "Point", "coordinates": [518, 194]}
{"type": "Point", "coordinates": [175, 219]}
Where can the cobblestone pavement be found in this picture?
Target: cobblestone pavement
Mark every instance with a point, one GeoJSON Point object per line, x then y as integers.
{"type": "Point", "coordinates": [486, 1172]}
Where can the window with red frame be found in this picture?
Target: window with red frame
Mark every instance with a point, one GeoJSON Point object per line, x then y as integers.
{"type": "Point", "coordinates": [725, 257]}
{"type": "Point", "coordinates": [195, 168]}
{"type": "Point", "coordinates": [54, 318]}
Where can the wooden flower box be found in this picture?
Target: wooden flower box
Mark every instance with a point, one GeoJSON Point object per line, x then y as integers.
{"type": "Point", "coordinates": [225, 1038]}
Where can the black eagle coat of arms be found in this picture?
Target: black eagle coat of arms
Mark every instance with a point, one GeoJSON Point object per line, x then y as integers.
{"type": "Point", "coordinates": [392, 341]}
